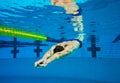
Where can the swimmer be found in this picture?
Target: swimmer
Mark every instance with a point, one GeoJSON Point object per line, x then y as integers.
{"type": "Point", "coordinates": [66, 47]}
{"type": "Point", "coordinates": [59, 50]}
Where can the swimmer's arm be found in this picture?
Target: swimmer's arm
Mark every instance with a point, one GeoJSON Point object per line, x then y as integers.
{"type": "Point", "coordinates": [57, 56]}
{"type": "Point", "coordinates": [66, 51]}
{"type": "Point", "coordinates": [49, 53]}
{"type": "Point", "coordinates": [42, 62]}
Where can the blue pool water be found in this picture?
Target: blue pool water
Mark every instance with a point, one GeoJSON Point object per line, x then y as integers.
{"type": "Point", "coordinates": [96, 62]}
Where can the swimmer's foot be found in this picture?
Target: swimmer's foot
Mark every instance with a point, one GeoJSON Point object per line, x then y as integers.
{"type": "Point", "coordinates": [40, 63]}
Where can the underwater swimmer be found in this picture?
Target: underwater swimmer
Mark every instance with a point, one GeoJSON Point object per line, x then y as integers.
{"type": "Point", "coordinates": [59, 50]}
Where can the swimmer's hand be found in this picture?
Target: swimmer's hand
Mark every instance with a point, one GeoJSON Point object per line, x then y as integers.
{"type": "Point", "coordinates": [40, 63]}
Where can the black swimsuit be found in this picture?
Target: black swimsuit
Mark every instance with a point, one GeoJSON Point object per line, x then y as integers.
{"type": "Point", "coordinates": [58, 49]}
